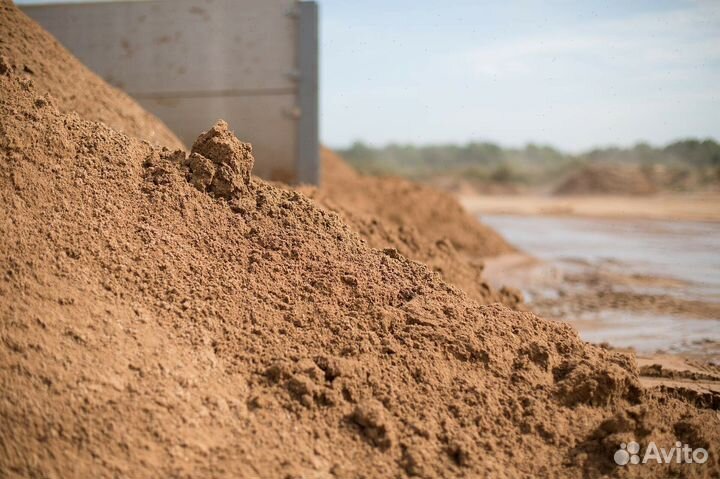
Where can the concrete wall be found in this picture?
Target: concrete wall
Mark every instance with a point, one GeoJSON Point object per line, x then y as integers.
{"type": "Point", "coordinates": [253, 63]}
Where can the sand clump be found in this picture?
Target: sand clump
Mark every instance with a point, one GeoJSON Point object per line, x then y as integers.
{"type": "Point", "coordinates": [606, 179]}
{"type": "Point", "coordinates": [32, 51]}
{"type": "Point", "coordinates": [421, 223]}
{"type": "Point", "coordinates": [165, 314]}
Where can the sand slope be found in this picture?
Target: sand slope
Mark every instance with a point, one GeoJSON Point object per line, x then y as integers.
{"type": "Point", "coordinates": [34, 52]}
{"type": "Point", "coordinates": [403, 203]}
{"type": "Point", "coordinates": [168, 315]}
{"type": "Point", "coordinates": [423, 224]}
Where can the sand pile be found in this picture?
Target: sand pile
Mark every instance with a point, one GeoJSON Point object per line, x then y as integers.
{"type": "Point", "coordinates": [403, 203]}
{"type": "Point", "coordinates": [165, 314]}
{"type": "Point", "coordinates": [601, 179]}
{"type": "Point", "coordinates": [34, 52]}
{"type": "Point", "coordinates": [399, 214]}
{"type": "Point", "coordinates": [28, 49]}
{"type": "Point", "coordinates": [460, 186]}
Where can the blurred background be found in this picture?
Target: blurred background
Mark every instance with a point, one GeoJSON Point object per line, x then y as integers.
{"type": "Point", "coordinates": [520, 93]}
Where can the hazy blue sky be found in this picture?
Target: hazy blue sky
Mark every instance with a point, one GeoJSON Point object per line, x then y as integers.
{"type": "Point", "coordinates": [574, 74]}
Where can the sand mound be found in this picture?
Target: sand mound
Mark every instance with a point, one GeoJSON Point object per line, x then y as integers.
{"type": "Point", "coordinates": [395, 213]}
{"type": "Point", "coordinates": [404, 203]}
{"type": "Point", "coordinates": [29, 49]}
{"type": "Point", "coordinates": [165, 314]}
{"type": "Point", "coordinates": [603, 179]}
{"type": "Point", "coordinates": [33, 51]}
{"type": "Point", "coordinates": [461, 186]}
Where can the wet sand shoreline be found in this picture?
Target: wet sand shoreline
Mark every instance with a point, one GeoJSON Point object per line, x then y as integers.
{"type": "Point", "coordinates": [703, 207]}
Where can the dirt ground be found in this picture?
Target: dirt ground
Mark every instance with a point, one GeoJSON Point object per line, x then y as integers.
{"type": "Point", "coordinates": [678, 206]}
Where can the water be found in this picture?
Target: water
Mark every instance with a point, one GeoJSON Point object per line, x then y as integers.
{"type": "Point", "coordinates": [649, 332]}
{"type": "Point", "coordinates": [685, 251]}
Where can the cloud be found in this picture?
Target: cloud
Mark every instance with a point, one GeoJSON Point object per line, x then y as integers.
{"type": "Point", "coordinates": [650, 42]}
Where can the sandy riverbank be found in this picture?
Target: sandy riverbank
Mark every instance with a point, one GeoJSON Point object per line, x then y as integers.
{"type": "Point", "coordinates": [686, 207]}
{"type": "Point", "coordinates": [645, 286]}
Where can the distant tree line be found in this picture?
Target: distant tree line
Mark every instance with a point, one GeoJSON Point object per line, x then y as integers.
{"type": "Point", "coordinates": [532, 164]}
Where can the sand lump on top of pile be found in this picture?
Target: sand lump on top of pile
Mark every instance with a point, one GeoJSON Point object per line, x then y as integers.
{"type": "Point", "coordinates": [166, 314]}
{"type": "Point", "coordinates": [34, 52]}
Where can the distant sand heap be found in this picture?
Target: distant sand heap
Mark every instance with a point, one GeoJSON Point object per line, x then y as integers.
{"type": "Point", "coordinates": [402, 202]}
{"type": "Point", "coordinates": [165, 314]}
{"type": "Point", "coordinates": [602, 179]}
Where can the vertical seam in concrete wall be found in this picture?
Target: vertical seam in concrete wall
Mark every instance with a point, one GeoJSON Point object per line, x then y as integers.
{"type": "Point", "coordinates": [308, 159]}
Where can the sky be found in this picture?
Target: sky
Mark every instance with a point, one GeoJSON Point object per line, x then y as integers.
{"type": "Point", "coordinates": [571, 74]}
